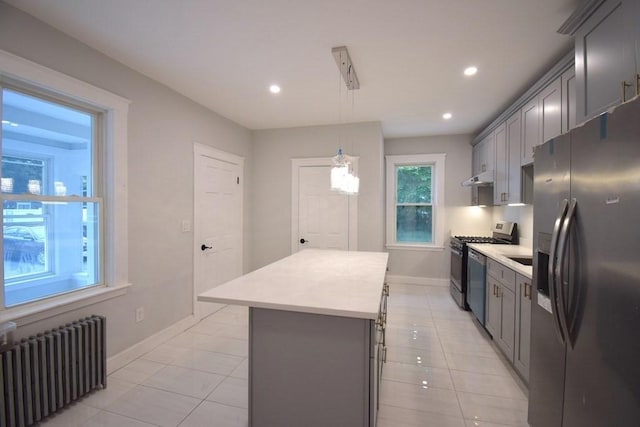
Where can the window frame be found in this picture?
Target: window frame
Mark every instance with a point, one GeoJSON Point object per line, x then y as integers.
{"type": "Point", "coordinates": [437, 162]}
{"type": "Point", "coordinates": [111, 166]}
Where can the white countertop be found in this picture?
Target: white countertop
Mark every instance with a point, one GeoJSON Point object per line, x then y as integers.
{"type": "Point", "coordinates": [501, 252]}
{"type": "Point", "coordinates": [330, 282]}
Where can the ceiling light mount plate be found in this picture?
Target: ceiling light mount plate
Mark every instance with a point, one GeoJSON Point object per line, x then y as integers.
{"type": "Point", "coordinates": [347, 70]}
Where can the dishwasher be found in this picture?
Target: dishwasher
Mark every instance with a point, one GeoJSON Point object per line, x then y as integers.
{"type": "Point", "coordinates": [476, 283]}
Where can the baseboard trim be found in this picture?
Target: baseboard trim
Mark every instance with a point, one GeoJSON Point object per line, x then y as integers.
{"type": "Point", "coordinates": [119, 360]}
{"type": "Point", "coordinates": [422, 281]}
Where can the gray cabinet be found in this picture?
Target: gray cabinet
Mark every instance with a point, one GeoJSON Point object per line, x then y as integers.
{"type": "Point", "coordinates": [483, 161]}
{"type": "Point", "coordinates": [530, 130]}
{"type": "Point", "coordinates": [345, 354]}
{"type": "Point", "coordinates": [542, 119]}
{"type": "Point", "coordinates": [606, 37]}
{"type": "Point", "coordinates": [501, 165]}
{"type": "Point", "coordinates": [508, 176]}
{"type": "Point", "coordinates": [514, 174]}
{"type": "Point", "coordinates": [568, 80]}
{"type": "Point", "coordinates": [551, 110]}
{"type": "Point", "coordinates": [483, 155]}
{"type": "Point", "coordinates": [501, 306]}
{"type": "Point", "coordinates": [522, 326]}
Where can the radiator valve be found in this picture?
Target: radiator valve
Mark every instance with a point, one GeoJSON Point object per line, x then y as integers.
{"type": "Point", "coordinates": [5, 328]}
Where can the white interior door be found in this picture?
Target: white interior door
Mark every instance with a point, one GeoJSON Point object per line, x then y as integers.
{"type": "Point", "coordinates": [218, 222]}
{"type": "Point", "coordinates": [321, 218]}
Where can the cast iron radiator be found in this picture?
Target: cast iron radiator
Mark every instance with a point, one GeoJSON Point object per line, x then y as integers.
{"type": "Point", "coordinates": [42, 374]}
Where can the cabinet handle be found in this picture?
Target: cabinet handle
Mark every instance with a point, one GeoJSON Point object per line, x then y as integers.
{"type": "Point", "coordinates": [623, 87]}
{"type": "Point", "coordinates": [637, 84]}
{"type": "Point", "coordinates": [526, 286]}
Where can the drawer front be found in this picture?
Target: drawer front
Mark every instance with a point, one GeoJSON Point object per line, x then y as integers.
{"type": "Point", "coordinates": [503, 274]}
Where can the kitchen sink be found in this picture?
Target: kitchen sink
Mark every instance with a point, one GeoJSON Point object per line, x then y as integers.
{"type": "Point", "coordinates": [522, 260]}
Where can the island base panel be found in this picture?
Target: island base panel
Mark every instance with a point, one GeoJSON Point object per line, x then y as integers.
{"type": "Point", "coordinates": [308, 369]}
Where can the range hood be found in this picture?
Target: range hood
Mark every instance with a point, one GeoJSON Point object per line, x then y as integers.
{"type": "Point", "coordinates": [484, 178]}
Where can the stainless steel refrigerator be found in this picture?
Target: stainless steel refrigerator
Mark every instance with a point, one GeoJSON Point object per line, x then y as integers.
{"type": "Point", "coordinates": [585, 320]}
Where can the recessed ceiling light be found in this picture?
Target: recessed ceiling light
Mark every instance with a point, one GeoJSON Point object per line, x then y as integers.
{"type": "Point", "coordinates": [470, 71]}
{"type": "Point", "coordinates": [447, 116]}
{"type": "Point", "coordinates": [274, 89]}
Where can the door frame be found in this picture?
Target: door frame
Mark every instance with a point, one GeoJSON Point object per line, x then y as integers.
{"type": "Point", "coordinates": [206, 150]}
{"type": "Point", "coordinates": [296, 164]}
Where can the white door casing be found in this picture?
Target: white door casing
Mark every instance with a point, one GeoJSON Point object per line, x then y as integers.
{"type": "Point", "coordinates": [324, 218]}
{"type": "Point", "coordinates": [218, 216]}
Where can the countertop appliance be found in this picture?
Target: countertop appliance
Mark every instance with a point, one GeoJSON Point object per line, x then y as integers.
{"type": "Point", "coordinates": [503, 233]}
{"type": "Point", "coordinates": [585, 351]}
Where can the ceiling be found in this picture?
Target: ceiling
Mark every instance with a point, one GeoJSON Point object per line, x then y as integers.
{"type": "Point", "coordinates": [409, 55]}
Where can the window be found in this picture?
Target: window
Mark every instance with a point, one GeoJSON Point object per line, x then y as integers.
{"type": "Point", "coordinates": [63, 173]}
{"type": "Point", "coordinates": [415, 199]}
{"type": "Point", "coordinates": [47, 213]}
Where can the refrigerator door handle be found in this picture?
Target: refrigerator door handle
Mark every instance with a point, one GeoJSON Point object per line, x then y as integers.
{"type": "Point", "coordinates": [559, 268]}
{"type": "Point", "coordinates": [553, 253]}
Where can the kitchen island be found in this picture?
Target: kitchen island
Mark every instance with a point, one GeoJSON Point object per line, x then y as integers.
{"type": "Point", "coordinates": [314, 337]}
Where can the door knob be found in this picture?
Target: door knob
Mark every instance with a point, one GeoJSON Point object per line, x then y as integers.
{"type": "Point", "coordinates": [303, 241]}
{"type": "Point", "coordinates": [205, 247]}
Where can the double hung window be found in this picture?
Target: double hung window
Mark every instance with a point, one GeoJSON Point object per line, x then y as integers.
{"type": "Point", "coordinates": [63, 219]}
{"type": "Point", "coordinates": [415, 197]}
{"type": "Point", "coordinates": [50, 201]}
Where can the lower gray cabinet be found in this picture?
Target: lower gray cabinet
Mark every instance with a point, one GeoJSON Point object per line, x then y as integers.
{"type": "Point", "coordinates": [523, 326]}
{"type": "Point", "coordinates": [508, 314]}
{"type": "Point", "coordinates": [501, 306]}
{"type": "Point", "coordinates": [315, 370]}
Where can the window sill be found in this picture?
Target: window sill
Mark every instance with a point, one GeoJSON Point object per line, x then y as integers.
{"type": "Point", "coordinates": [44, 309]}
{"type": "Point", "coordinates": [415, 248]}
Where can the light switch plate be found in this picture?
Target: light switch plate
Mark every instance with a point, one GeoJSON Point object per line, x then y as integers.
{"type": "Point", "coordinates": [186, 226]}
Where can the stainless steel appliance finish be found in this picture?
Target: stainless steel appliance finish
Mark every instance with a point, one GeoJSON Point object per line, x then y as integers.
{"type": "Point", "coordinates": [458, 279]}
{"type": "Point", "coordinates": [503, 233]}
{"type": "Point", "coordinates": [476, 289]}
{"type": "Point", "coordinates": [584, 346]}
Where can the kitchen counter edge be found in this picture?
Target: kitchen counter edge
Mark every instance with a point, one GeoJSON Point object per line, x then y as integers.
{"type": "Point", "coordinates": [500, 253]}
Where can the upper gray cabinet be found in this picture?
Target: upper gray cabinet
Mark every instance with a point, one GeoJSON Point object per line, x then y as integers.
{"type": "Point", "coordinates": [568, 79]}
{"type": "Point", "coordinates": [483, 155]}
{"type": "Point", "coordinates": [607, 35]}
{"type": "Point", "coordinates": [542, 117]}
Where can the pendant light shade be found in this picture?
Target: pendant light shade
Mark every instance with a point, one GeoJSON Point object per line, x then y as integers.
{"type": "Point", "coordinates": [343, 176]}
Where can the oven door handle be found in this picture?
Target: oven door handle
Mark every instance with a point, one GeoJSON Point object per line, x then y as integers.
{"type": "Point", "coordinates": [456, 251]}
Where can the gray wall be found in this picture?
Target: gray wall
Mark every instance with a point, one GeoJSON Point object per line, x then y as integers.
{"type": "Point", "coordinates": [273, 151]}
{"type": "Point", "coordinates": [460, 217]}
{"type": "Point", "coordinates": [162, 128]}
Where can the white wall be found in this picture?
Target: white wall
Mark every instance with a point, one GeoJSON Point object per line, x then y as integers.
{"type": "Point", "coordinates": [522, 215]}
{"type": "Point", "coordinates": [162, 128]}
{"type": "Point", "coordinates": [460, 217]}
{"type": "Point", "coordinates": [273, 151]}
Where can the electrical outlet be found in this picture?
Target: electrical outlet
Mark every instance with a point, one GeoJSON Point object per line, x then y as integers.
{"type": "Point", "coordinates": [139, 314]}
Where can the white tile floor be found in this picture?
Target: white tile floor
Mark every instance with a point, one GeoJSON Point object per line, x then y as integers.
{"type": "Point", "coordinates": [441, 371]}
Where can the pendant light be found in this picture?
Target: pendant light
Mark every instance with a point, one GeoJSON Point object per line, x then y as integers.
{"type": "Point", "coordinates": [344, 178]}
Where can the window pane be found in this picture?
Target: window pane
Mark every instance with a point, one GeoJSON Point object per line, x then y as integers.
{"type": "Point", "coordinates": [414, 224]}
{"type": "Point", "coordinates": [47, 150]}
{"type": "Point", "coordinates": [50, 248]}
{"type": "Point", "coordinates": [47, 147]}
{"type": "Point", "coordinates": [414, 184]}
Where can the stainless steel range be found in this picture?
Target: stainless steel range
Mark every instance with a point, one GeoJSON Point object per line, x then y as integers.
{"type": "Point", "coordinates": [503, 233]}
